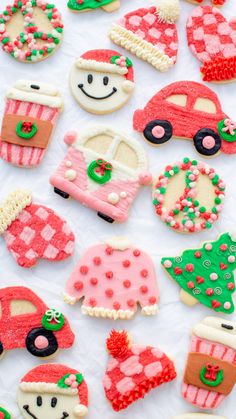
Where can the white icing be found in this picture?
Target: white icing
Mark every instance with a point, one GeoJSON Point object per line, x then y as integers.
{"type": "Point", "coordinates": [168, 10]}
{"type": "Point", "coordinates": [113, 198]}
{"type": "Point", "coordinates": [69, 299]}
{"type": "Point", "coordinates": [70, 174]}
{"type": "Point", "coordinates": [108, 100]}
{"type": "Point", "coordinates": [12, 206]}
{"type": "Point", "coordinates": [118, 243]}
{"type": "Point", "coordinates": [107, 313]}
{"type": "Point", "coordinates": [150, 310]}
{"type": "Point", "coordinates": [45, 88]}
{"type": "Point", "coordinates": [100, 66]}
{"type": "Point", "coordinates": [65, 403]}
{"type": "Point", "coordinates": [211, 329]}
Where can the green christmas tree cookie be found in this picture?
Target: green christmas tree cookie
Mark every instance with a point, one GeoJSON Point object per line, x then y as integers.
{"type": "Point", "coordinates": [206, 274]}
{"type": "Point", "coordinates": [85, 5]}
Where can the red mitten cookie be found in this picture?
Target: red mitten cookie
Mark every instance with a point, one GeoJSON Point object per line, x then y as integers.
{"type": "Point", "coordinates": [113, 277]}
{"type": "Point", "coordinates": [133, 370]}
{"type": "Point", "coordinates": [53, 391]}
{"type": "Point", "coordinates": [212, 39]}
{"type": "Point", "coordinates": [210, 373]}
{"type": "Point", "coordinates": [31, 112]}
{"type": "Point", "coordinates": [34, 231]}
{"type": "Point", "coordinates": [26, 322]}
{"type": "Point", "coordinates": [150, 33]}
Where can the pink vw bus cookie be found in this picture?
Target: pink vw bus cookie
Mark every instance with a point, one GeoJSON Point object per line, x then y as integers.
{"type": "Point", "coordinates": [103, 170]}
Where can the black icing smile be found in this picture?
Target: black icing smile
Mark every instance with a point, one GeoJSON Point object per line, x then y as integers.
{"type": "Point", "coordinates": [81, 87]}
{"type": "Point", "coordinates": [26, 408]}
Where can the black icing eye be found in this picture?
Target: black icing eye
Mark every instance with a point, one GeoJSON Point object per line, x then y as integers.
{"type": "Point", "coordinates": [54, 402]}
{"type": "Point", "coordinates": [39, 401]}
{"type": "Point", "coordinates": [105, 80]}
{"type": "Point", "coordinates": [90, 78]}
{"type": "Point", "coordinates": [227, 326]}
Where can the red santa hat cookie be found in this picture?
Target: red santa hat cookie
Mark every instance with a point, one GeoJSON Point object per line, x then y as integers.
{"type": "Point", "coordinates": [133, 370]}
{"type": "Point", "coordinates": [102, 81]}
{"type": "Point", "coordinates": [212, 39]}
{"type": "Point", "coordinates": [150, 33]}
{"type": "Point", "coordinates": [33, 231]}
{"type": "Point", "coordinates": [53, 391]}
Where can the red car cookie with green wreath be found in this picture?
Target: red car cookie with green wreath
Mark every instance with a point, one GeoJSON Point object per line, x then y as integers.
{"type": "Point", "coordinates": [27, 322]}
{"type": "Point", "coordinates": [191, 111]}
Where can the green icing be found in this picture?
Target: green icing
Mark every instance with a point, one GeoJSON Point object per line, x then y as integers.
{"type": "Point", "coordinates": [53, 320]}
{"type": "Point", "coordinates": [198, 281]}
{"type": "Point", "coordinates": [226, 135]}
{"type": "Point", "coordinates": [87, 4]}
{"type": "Point", "coordinates": [61, 383]}
{"type": "Point", "coordinates": [5, 412]}
{"type": "Point", "coordinates": [218, 377]}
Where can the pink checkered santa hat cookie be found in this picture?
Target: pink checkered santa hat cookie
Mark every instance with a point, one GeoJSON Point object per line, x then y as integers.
{"type": "Point", "coordinates": [150, 33]}
{"type": "Point", "coordinates": [133, 370]}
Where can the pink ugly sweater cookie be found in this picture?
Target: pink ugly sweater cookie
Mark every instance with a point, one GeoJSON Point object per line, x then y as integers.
{"type": "Point", "coordinates": [210, 372]}
{"type": "Point", "coordinates": [133, 370]}
{"type": "Point", "coordinates": [112, 278]}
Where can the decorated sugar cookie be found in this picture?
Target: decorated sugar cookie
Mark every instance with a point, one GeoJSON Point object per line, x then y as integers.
{"type": "Point", "coordinates": [104, 170]}
{"type": "Point", "coordinates": [198, 416]}
{"type": "Point", "coordinates": [191, 111]}
{"type": "Point", "coordinates": [133, 370]}
{"type": "Point", "coordinates": [4, 414]}
{"type": "Point", "coordinates": [102, 81]}
{"type": "Point", "coordinates": [53, 391]}
{"type": "Point", "coordinates": [30, 30]}
{"type": "Point", "coordinates": [87, 5]}
{"type": "Point", "coordinates": [31, 112]}
{"type": "Point", "coordinates": [150, 33]}
{"type": "Point", "coordinates": [27, 322]}
{"type": "Point", "coordinates": [206, 274]}
{"type": "Point", "coordinates": [188, 196]}
{"type": "Point", "coordinates": [33, 231]}
{"type": "Point", "coordinates": [112, 278]}
{"type": "Point", "coordinates": [212, 40]}
{"type": "Point", "coordinates": [210, 372]}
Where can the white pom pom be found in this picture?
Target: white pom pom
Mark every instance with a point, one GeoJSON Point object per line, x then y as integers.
{"type": "Point", "coordinates": [80, 410]}
{"type": "Point", "coordinates": [168, 10]}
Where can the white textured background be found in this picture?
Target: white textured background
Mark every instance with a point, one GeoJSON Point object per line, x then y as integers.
{"type": "Point", "coordinates": [170, 328]}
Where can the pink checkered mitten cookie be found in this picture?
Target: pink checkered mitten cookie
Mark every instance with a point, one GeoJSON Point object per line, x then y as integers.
{"type": "Point", "coordinates": [33, 231]}
{"type": "Point", "coordinates": [210, 372]}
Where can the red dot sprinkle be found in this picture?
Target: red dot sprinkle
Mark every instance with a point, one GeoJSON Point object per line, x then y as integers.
{"type": "Point", "coordinates": [109, 250]}
{"type": "Point", "coordinates": [223, 247]}
{"type": "Point", "coordinates": [97, 261]}
{"type": "Point", "coordinates": [143, 289]}
{"type": "Point", "coordinates": [230, 286]}
{"type": "Point", "coordinates": [116, 305]}
{"type": "Point", "coordinates": [92, 302]}
{"type": "Point", "coordinates": [131, 303]}
{"type": "Point", "coordinates": [109, 292]}
{"type": "Point", "coordinates": [152, 300]}
{"type": "Point", "coordinates": [126, 263]}
{"type": "Point", "coordinates": [200, 279]}
{"type": "Point", "coordinates": [209, 292]}
{"type": "Point", "coordinates": [197, 254]}
{"type": "Point", "coordinates": [83, 270]}
{"type": "Point", "coordinates": [178, 271]}
{"type": "Point", "coordinates": [191, 285]}
{"type": "Point", "coordinates": [109, 274]}
{"type": "Point", "coordinates": [144, 273]}
{"type": "Point", "coordinates": [215, 304]}
{"type": "Point", "coordinates": [127, 283]}
{"type": "Point", "coordinates": [136, 252]}
{"type": "Point", "coordinates": [189, 267]}
{"type": "Point", "coordinates": [78, 285]}
{"type": "Point", "coordinates": [94, 281]}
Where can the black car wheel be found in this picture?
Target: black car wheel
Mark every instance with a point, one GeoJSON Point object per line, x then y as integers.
{"type": "Point", "coordinates": [158, 132]}
{"type": "Point", "coordinates": [1, 349]}
{"type": "Point", "coordinates": [105, 217]}
{"type": "Point", "coordinates": [207, 142]}
{"type": "Point", "coordinates": [63, 194]}
{"type": "Point", "coordinates": [41, 342]}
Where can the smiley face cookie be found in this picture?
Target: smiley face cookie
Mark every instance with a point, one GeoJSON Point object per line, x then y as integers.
{"type": "Point", "coordinates": [102, 81]}
{"type": "Point", "coordinates": [53, 391]}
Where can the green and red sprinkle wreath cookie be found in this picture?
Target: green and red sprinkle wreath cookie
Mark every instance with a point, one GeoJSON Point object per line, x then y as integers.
{"type": "Point", "coordinates": [205, 275]}
{"type": "Point", "coordinates": [33, 43]}
{"type": "Point", "coordinates": [201, 195]}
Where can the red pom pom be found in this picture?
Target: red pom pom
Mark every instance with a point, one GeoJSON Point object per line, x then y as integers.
{"type": "Point", "coordinates": [118, 343]}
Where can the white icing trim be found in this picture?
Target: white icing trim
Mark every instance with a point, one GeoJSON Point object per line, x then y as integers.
{"type": "Point", "coordinates": [210, 329]}
{"type": "Point", "coordinates": [69, 299]}
{"type": "Point", "coordinates": [118, 243]}
{"type": "Point", "coordinates": [41, 387]}
{"type": "Point", "coordinates": [168, 10]}
{"type": "Point", "coordinates": [12, 206]}
{"type": "Point", "coordinates": [141, 48]}
{"type": "Point", "coordinates": [45, 88]}
{"type": "Point", "coordinates": [107, 313]}
{"type": "Point", "coordinates": [34, 96]}
{"type": "Point", "coordinates": [100, 66]}
{"type": "Point", "coordinates": [150, 310]}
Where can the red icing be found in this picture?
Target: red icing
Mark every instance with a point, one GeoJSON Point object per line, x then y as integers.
{"type": "Point", "coordinates": [143, 289]}
{"type": "Point", "coordinates": [178, 271]}
{"type": "Point", "coordinates": [126, 263]}
{"type": "Point", "coordinates": [94, 281]}
{"type": "Point", "coordinates": [191, 285]}
{"type": "Point", "coordinates": [215, 304]}
{"type": "Point", "coordinates": [84, 270]}
{"type": "Point", "coordinates": [189, 267]}
{"type": "Point", "coordinates": [198, 254]}
{"type": "Point", "coordinates": [223, 247]}
{"type": "Point", "coordinates": [127, 284]}
{"type": "Point", "coordinates": [109, 274]}
{"type": "Point", "coordinates": [78, 285]}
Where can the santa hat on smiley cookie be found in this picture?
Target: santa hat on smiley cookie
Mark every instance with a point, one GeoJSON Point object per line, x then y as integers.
{"type": "Point", "coordinates": [57, 379]}
{"type": "Point", "coordinates": [150, 33]}
{"type": "Point", "coordinates": [108, 61]}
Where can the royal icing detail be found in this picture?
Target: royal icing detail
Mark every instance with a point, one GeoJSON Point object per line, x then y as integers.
{"type": "Point", "coordinates": [53, 390]}
{"type": "Point", "coordinates": [210, 369]}
{"type": "Point", "coordinates": [112, 278]}
{"type": "Point", "coordinates": [25, 325]}
{"type": "Point", "coordinates": [33, 231]}
{"type": "Point", "coordinates": [106, 170]}
{"type": "Point", "coordinates": [86, 5]}
{"type": "Point", "coordinates": [187, 214]}
{"type": "Point", "coordinates": [33, 43]}
{"type": "Point", "coordinates": [188, 110]}
{"type": "Point", "coordinates": [206, 274]}
{"type": "Point", "coordinates": [212, 39]}
{"type": "Point", "coordinates": [31, 112]}
{"type": "Point", "coordinates": [150, 33]}
{"type": "Point", "coordinates": [133, 370]}
{"type": "Point", "coordinates": [4, 414]}
{"type": "Point", "coordinates": [102, 81]}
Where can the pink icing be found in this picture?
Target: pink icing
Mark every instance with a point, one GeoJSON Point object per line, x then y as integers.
{"type": "Point", "coordinates": [208, 142]}
{"type": "Point", "coordinates": [131, 366]}
{"type": "Point", "coordinates": [41, 342]}
{"type": "Point", "coordinates": [125, 385]}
